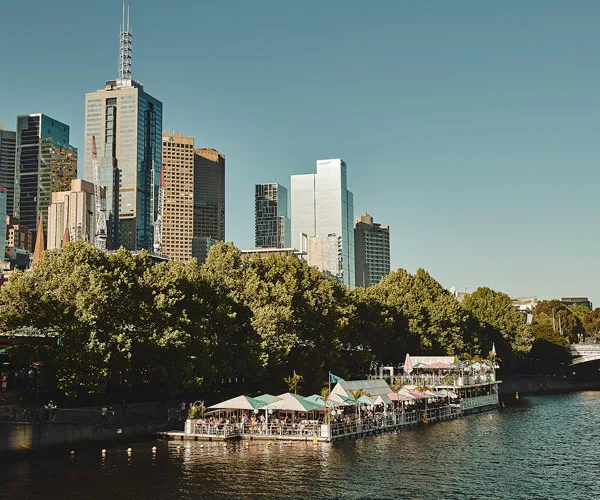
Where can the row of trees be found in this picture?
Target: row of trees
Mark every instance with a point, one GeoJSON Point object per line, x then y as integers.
{"type": "Point", "coordinates": [120, 324]}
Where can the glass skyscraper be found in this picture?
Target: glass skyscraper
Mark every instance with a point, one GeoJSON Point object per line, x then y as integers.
{"type": "Point", "coordinates": [8, 146]}
{"type": "Point", "coordinates": [45, 163]}
{"type": "Point", "coordinates": [322, 206]}
{"type": "Point", "coordinates": [127, 124]}
{"type": "Point", "coordinates": [271, 222]}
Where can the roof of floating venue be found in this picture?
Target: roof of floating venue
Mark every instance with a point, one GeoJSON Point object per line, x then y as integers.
{"type": "Point", "coordinates": [239, 403]}
{"type": "Point", "coordinates": [430, 360]}
{"type": "Point", "coordinates": [375, 387]}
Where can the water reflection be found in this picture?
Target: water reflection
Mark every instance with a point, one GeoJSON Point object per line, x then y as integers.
{"type": "Point", "coordinates": [544, 448]}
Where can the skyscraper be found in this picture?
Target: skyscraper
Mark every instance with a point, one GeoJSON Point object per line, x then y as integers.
{"type": "Point", "coordinates": [127, 123]}
{"type": "Point", "coordinates": [45, 163]}
{"type": "Point", "coordinates": [322, 206]}
{"type": "Point", "coordinates": [178, 205]}
{"type": "Point", "coordinates": [8, 147]}
{"type": "Point", "coordinates": [372, 250]}
{"type": "Point", "coordinates": [209, 194]}
{"type": "Point", "coordinates": [73, 211]}
{"type": "Point", "coordinates": [271, 222]}
{"type": "Point", "coordinates": [3, 225]}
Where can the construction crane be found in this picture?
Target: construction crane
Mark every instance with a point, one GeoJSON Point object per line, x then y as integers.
{"type": "Point", "coordinates": [100, 239]}
{"type": "Point", "coordinates": [159, 215]}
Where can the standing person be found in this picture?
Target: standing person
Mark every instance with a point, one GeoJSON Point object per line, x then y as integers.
{"type": "Point", "coordinates": [4, 381]}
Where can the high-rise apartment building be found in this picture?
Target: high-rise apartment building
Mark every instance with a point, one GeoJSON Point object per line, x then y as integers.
{"type": "Point", "coordinates": [127, 124]}
{"type": "Point", "coordinates": [209, 194]}
{"type": "Point", "coordinates": [322, 206]}
{"type": "Point", "coordinates": [3, 225]}
{"type": "Point", "coordinates": [372, 251]}
{"type": "Point", "coordinates": [178, 198]}
{"type": "Point", "coordinates": [45, 163]}
{"type": "Point", "coordinates": [271, 222]}
{"type": "Point", "coordinates": [8, 148]}
{"type": "Point", "coordinates": [73, 212]}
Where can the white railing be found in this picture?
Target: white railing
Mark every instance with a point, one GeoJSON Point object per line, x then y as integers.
{"type": "Point", "coordinates": [479, 401]}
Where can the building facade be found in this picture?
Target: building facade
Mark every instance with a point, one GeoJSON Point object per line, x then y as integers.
{"type": "Point", "coordinates": [325, 253]}
{"type": "Point", "coordinates": [323, 206]}
{"type": "Point", "coordinates": [3, 225]}
{"type": "Point", "coordinates": [201, 246]}
{"type": "Point", "coordinates": [271, 222]}
{"type": "Point", "coordinates": [372, 251]}
{"type": "Point", "coordinates": [127, 124]}
{"type": "Point", "coordinates": [8, 148]}
{"type": "Point", "coordinates": [577, 301]}
{"type": "Point", "coordinates": [209, 194]}
{"type": "Point", "coordinates": [45, 163]}
{"type": "Point", "coordinates": [73, 212]}
{"type": "Point", "coordinates": [178, 198]}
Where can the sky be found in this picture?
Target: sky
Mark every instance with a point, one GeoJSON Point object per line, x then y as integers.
{"type": "Point", "coordinates": [469, 127]}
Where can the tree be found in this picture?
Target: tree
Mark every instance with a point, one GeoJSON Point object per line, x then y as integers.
{"type": "Point", "coordinates": [499, 321]}
{"type": "Point", "coordinates": [292, 381]}
{"type": "Point", "coordinates": [561, 318]}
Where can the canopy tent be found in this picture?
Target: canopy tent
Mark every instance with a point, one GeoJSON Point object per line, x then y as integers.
{"type": "Point", "coordinates": [341, 400]}
{"type": "Point", "coordinates": [383, 400]}
{"type": "Point", "coordinates": [366, 400]}
{"type": "Point", "coordinates": [239, 403]}
{"type": "Point", "coordinates": [412, 393]}
{"type": "Point", "coordinates": [293, 402]}
{"type": "Point", "coordinates": [267, 398]}
{"type": "Point", "coordinates": [433, 394]}
{"type": "Point", "coordinates": [333, 401]}
{"type": "Point", "coordinates": [441, 366]}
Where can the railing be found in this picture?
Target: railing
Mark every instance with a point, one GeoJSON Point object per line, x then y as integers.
{"type": "Point", "coordinates": [449, 380]}
{"type": "Point", "coordinates": [202, 428]}
{"type": "Point", "coordinates": [478, 401]}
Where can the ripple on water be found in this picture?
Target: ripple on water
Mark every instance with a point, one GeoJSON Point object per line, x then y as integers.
{"type": "Point", "coordinates": [545, 448]}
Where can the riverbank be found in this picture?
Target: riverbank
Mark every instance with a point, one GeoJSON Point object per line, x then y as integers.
{"type": "Point", "coordinates": [542, 384]}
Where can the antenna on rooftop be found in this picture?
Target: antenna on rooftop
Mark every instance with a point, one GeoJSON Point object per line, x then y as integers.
{"type": "Point", "coordinates": [125, 48]}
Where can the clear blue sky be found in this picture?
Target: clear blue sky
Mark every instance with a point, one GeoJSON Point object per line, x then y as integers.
{"type": "Point", "coordinates": [470, 127]}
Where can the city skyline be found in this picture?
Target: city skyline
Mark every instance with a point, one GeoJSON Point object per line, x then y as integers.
{"type": "Point", "coordinates": [471, 149]}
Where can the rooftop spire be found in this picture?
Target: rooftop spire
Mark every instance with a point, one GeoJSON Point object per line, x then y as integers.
{"type": "Point", "coordinates": [125, 48]}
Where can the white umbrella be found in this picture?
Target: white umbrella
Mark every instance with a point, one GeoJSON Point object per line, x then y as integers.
{"type": "Point", "coordinates": [408, 367]}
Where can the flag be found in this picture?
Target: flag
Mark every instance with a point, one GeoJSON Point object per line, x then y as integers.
{"type": "Point", "coordinates": [494, 349]}
{"type": "Point", "coordinates": [334, 379]}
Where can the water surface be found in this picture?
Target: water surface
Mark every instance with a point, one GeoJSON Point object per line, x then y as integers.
{"type": "Point", "coordinates": [548, 447]}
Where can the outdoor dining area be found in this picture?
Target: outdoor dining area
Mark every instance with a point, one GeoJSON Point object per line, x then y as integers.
{"type": "Point", "coordinates": [426, 389]}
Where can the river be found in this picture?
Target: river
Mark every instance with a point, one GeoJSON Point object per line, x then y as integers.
{"type": "Point", "coordinates": [545, 447]}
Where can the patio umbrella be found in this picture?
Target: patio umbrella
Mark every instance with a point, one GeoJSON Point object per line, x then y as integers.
{"type": "Point", "coordinates": [239, 403]}
{"type": "Point", "coordinates": [293, 402]}
{"type": "Point", "coordinates": [408, 367]}
{"type": "Point", "coordinates": [266, 398]}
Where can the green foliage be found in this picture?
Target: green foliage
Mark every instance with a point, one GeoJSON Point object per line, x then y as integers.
{"type": "Point", "coordinates": [560, 317]}
{"type": "Point", "coordinates": [292, 381]}
{"type": "Point", "coordinates": [120, 324]}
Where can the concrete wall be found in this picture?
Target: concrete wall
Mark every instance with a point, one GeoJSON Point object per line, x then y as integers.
{"type": "Point", "coordinates": [36, 436]}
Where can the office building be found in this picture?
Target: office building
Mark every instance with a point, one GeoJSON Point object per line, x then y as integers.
{"type": "Point", "coordinates": [45, 163]}
{"type": "Point", "coordinates": [323, 206]}
{"type": "Point", "coordinates": [8, 148]}
{"type": "Point", "coordinates": [18, 235]}
{"type": "Point", "coordinates": [201, 246]}
{"type": "Point", "coordinates": [73, 213]}
{"type": "Point", "coordinates": [209, 194]}
{"type": "Point", "coordinates": [127, 124]}
{"type": "Point", "coordinates": [372, 251]}
{"type": "Point", "coordinates": [3, 225]}
{"type": "Point", "coordinates": [577, 301]}
{"type": "Point", "coordinates": [271, 222]}
{"type": "Point", "coordinates": [178, 204]}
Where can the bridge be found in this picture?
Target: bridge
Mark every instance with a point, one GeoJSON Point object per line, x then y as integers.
{"type": "Point", "coordinates": [585, 353]}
